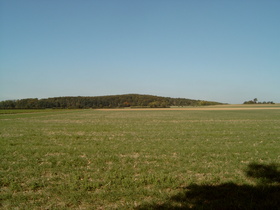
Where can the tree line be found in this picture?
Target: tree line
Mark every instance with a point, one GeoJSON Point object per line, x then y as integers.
{"type": "Point", "coordinates": [255, 101]}
{"type": "Point", "coordinates": [114, 101]}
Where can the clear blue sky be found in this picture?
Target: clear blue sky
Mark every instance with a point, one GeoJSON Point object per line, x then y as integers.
{"type": "Point", "coordinates": [219, 50]}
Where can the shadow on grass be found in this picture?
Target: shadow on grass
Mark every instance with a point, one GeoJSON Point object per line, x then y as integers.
{"type": "Point", "coordinates": [264, 195]}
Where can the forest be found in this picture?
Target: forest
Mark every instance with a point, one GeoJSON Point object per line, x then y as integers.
{"type": "Point", "coordinates": [255, 101]}
{"type": "Point", "coordinates": [112, 101]}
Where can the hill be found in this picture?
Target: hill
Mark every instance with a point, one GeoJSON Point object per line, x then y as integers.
{"type": "Point", "coordinates": [112, 101]}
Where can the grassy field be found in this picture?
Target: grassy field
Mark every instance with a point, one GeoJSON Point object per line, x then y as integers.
{"type": "Point", "coordinates": [140, 159]}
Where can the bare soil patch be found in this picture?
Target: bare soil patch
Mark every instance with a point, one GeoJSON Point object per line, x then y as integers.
{"type": "Point", "coordinates": [197, 108]}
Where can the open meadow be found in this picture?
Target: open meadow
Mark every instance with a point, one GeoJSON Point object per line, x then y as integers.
{"type": "Point", "coordinates": [217, 158]}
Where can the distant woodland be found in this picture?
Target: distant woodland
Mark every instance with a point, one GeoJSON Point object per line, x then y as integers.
{"type": "Point", "coordinates": [255, 101]}
{"type": "Point", "coordinates": [114, 101]}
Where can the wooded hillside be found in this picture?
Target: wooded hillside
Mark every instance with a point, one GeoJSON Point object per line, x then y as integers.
{"type": "Point", "coordinates": [113, 101]}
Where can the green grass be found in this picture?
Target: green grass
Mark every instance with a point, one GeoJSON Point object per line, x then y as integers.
{"type": "Point", "coordinates": [168, 159]}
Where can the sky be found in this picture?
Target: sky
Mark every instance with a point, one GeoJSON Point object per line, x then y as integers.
{"type": "Point", "coordinates": [218, 50]}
